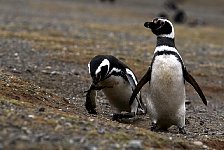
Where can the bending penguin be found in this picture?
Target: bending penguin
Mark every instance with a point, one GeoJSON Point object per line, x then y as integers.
{"type": "Point", "coordinates": [166, 76]}
{"type": "Point", "coordinates": [117, 82]}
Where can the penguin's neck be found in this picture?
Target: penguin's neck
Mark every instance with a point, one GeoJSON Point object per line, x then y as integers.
{"type": "Point", "coordinates": [165, 41]}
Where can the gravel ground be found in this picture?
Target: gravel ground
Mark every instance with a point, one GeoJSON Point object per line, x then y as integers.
{"type": "Point", "coordinates": [45, 47]}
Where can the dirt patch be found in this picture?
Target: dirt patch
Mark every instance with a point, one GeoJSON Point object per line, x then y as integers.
{"type": "Point", "coordinates": [44, 56]}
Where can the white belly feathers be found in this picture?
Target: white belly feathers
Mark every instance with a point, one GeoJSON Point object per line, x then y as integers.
{"type": "Point", "coordinates": [118, 92]}
{"type": "Point", "coordinates": [166, 85]}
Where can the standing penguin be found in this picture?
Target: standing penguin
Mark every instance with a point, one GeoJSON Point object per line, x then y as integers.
{"type": "Point", "coordinates": [117, 82]}
{"type": "Point", "coordinates": [166, 77]}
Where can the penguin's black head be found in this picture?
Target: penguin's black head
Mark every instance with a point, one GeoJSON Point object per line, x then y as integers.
{"type": "Point", "coordinates": [99, 68]}
{"type": "Point", "coordinates": [161, 27]}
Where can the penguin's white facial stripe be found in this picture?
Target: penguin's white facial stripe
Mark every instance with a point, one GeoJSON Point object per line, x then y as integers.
{"type": "Point", "coordinates": [132, 75]}
{"type": "Point", "coordinates": [171, 35]}
{"type": "Point", "coordinates": [115, 70]}
{"type": "Point", "coordinates": [105, 62]}
{"type": "Point", "coordinates": [89, 67]}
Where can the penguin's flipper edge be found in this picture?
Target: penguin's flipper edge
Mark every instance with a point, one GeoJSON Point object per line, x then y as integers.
{"type": "Point", "coordinates": [146, 78]}
{"type": "Point", "coordinates": [193, 82]}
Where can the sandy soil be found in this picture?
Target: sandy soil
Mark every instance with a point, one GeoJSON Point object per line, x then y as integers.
{"type": "Point", "coordinates": [44, 50]}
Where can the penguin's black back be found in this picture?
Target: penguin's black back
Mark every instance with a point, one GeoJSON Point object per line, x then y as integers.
{"type": "Point", "coordinates": [114, 62]}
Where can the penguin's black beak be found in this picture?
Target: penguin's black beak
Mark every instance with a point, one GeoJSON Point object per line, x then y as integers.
{"type": "Point", "coordinates": [96, 79]}
{"type": "Point", "coordinates": [148, 24]}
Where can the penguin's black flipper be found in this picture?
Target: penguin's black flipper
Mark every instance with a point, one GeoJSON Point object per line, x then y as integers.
{"type": "Point", "coordinates": [90, 103]}
{"type": "Point", "coordinates": [192, 81]}
{"type": "Point", "coordinates": [133, 81]}
{"type": "Point", "coordinates": [140, 84]}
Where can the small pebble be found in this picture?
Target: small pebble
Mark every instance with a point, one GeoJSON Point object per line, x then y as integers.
{"type": "Point", "coordinates": [91, 119]}
{"type": "Point", "coordinates": [24, 137]}
{"type": "Point", "coordinates": [1, 147]}
{"type": "Point", "coordinates": [68, 124]}
{"type": "Point", "coordinates": [201, 123]}
{"type": "Point", "coordinates": [198, 143]}
{"type": "Point", "coordinates": [42, 109]}
{"type": "Point", "coordinates": [135, 145]}
{"type": "Point", "coordinates": [115, 146]}
{"type": "Point", "coordinates": [101, 131]}
{"type": "Point", "coordinates": [205, 146]}
{"type": "Point", "coordinates": [58, 127]}
{"type": "Point", "coordinates": [91, 147]}
{"type": "Point", "coordinates": [31, 116]}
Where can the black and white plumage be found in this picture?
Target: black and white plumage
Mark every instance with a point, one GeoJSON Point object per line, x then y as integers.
{"type": "Point", "coordinates": [117, 82]}
{"type": "Point", "coordinates": [166, 77]}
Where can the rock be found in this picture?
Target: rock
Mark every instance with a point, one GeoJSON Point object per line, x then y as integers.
{"type": "Point", "coordinates": [205, 146]}
{"type": "Point", "coordinates": [116, 146]}
{"type": "Point", "coordinates": [42, 109]}
{"type": "Point", "coordinates": [135, 145]}
{"type": "Point", "coordinates": [90, 147]}
{"type": "Point", "coordinates": [23, 137]}
{"type": "Point", "coordinates": [101, 131]}
{"type": "Point", "coordinates": [171, 5]}
{"type": "Point", "coordinates": [54, 73]}
{"type": "Point", "coordinates": [163, 15]}
{"type": "Point", "coordinates": [68, 124]}
{"type": "Point", "coordinates": [180, 16]}
{"type": "Point", "coordinates": [112, 1]}
{"type": "Point", "coordinates": [26, 130]}
{"type": "Point", "coordinates": [198, 143]}
{"type": "Point", "coordinates": [1, 147]}
{"type": "Point", "coordinates": [31, 116]}
{"type": "Point", "coordinates": [202, 122]}
{"type": "Point", "coordinates": [58, 127]}
{"type": "Point", "coordinates": [14, 70]}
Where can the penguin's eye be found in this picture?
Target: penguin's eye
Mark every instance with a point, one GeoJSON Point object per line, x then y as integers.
{"type": "Point", "coordinates": [98, 76]}
{"type": "Point", "coordinates": [161, 23]}
{"type": "Point", "coordinates": [155, 21]}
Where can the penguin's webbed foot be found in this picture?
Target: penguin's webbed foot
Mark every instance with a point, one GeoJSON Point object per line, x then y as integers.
{"type": "Point", "coordinates": [154, 127]}
{"type": "Point", "coordinates": [182, 130]}
{"type": "Point", "coordinates": [118, 117]}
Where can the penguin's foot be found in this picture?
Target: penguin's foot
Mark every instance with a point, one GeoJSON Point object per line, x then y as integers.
{"type": "Point", "coordinates": [182, 130]}
{"type": "Point", "coordinates": [154, 127]}
{"type": "Point", "coordinates": [92, 111]}
{"type": "Point", "coordinates": [118, 117]}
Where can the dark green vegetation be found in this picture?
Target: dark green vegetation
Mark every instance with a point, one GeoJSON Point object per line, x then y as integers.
{"type": "Point", "coordinates": [45, 46]}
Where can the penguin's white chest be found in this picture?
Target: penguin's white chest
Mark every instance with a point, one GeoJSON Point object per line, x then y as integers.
{"type": "Point", "coordinates": [167, 89]}
{"type": "Point", "coordinates": [167, 72]}
{"type": "Point", "coordinates": [118, 92]}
